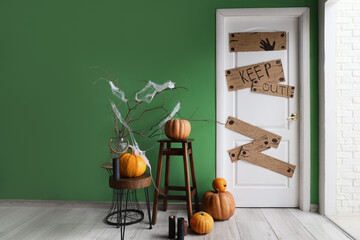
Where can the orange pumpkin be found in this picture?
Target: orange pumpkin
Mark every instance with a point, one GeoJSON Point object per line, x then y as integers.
{"type": "Point", "coordinates": [219, 184]}
{"type": "Point", "coordinates": [177, 129]}
{"type": "Point", "coordinates": [220, 205]}
{"type": "Point", "coordinates": [201, 222]}
{"type": "Point", "coordinates": [131, 165]}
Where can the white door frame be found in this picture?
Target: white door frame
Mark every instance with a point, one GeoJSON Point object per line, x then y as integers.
{"type": "Point", "coordinates": [304, 84]}
{"type": "Point", "coordinates": [327, 107]}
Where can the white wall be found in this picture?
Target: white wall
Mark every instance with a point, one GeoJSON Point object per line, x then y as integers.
{"type": "Point", "coordinates": [348, 106]}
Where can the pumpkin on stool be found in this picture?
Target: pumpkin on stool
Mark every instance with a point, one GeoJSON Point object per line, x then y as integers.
{"type": "Point", "coordinates": [201, 222]}
{"type": "Point", "coordinates": [131, 165]}
{"type": "Point", "coordinates": [220, 205]}
{"type": "Point", "coordinates": [177, 129]}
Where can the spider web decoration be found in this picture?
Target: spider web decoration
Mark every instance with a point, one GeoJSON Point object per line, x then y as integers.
{"type": "Point", "coordinates": [146, 94]}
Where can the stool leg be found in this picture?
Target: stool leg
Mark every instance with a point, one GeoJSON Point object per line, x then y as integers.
{"type": "Point", "coordinates": [123, 224]}
{"type": "Point", "coordinates": [158, 179]}
{"type": "Point", "coordinates": [187, 182]}
{"type": "Point", "coordinates": [148, 204]}
{"type": "Point", "coordinates": [118, 207]}
{"type": "Point", "coordinates": [167, 170]}
{"type": "Point", "coordinates": [196, 198]}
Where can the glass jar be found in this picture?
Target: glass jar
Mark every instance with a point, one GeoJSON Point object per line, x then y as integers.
{"type": "Point", "coordinates": [118, 146]}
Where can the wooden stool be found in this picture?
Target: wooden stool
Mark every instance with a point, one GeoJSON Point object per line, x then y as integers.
{"type": "Point", "coordinates": [126, 188]}
{"type": "Point", "coordinates": [191, 192]}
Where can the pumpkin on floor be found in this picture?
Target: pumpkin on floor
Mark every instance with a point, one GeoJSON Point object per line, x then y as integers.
{"type": "Point", "coordinates": [177, 129]}
{"type": "Point", "coordinates": [219, 184]}
{"type": "Point", "coordinates": [201, 222]}
{"type": "Point", "coordinates": [131, 165]}
{"type": "Point", "coordinates": [220, 205]}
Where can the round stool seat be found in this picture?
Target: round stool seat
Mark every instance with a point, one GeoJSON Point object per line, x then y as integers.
{"type": "Point", "coordinates": [142, 181]}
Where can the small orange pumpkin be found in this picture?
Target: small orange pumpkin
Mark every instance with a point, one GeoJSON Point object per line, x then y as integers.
{"type": "Point", "coordinates": [131, 165]}
{"type": "Point", "coordinates": [177, 129]}
{"type": "Point", "coordinates": [219, 184]}
{"type": "Point", "coordinates": [220, 205]}
{"type": "Point", "coordinates": [201, 222]}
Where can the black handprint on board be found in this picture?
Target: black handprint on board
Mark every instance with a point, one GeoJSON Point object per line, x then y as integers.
{"type": "Point", "coordinates": [266, 45]}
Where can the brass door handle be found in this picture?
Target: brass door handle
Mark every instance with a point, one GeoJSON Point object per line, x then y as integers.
{"type": "Point", "coordinates": [293, 117]}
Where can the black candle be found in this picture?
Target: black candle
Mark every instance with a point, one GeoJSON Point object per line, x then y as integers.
{"type": "Point", "coordinates": [180, 228]}
{"type": "Point", "coordinates": [116, 169]}
{"type": "Point", "coordinates": [172, 227]}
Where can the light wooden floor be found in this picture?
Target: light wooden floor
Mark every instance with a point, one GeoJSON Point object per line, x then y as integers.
{"type": "Point", "coordinates": [349, 222]}
{"type": "Point", "coordinates": [55, 220]}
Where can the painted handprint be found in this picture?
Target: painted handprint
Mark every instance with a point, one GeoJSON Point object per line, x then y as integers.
{"type": "Point", "coordinates": [266, 45]}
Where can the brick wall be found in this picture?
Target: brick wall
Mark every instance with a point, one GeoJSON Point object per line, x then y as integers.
{"type": "Point", "coordinates": [348, 106]}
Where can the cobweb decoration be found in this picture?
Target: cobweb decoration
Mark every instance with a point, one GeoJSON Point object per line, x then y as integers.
{"type": "Point", "coordinates": [172, 114]}
{"type": "Point", "coordinates": [134, 145]}
{"type": "Point", "coordinates": [117, 92]}
{"type": "Point", "coordinates": [149, 91]}
{"type": "Point", "coordinates": [145, 95]}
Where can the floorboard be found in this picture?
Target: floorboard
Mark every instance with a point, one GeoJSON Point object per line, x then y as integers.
{"type": "Point", "coordinates": [252, 225]}
{"type": "Point", "coordinates": [59, 221]}
{"type": "Point", "coordinates": [319, 227]}
{"type": "Point", "coordinates": [285, 225]}
{"type": "Point", "coordinates": [16, 218]}
{"type": "Point", "coordinates": [349, 223]}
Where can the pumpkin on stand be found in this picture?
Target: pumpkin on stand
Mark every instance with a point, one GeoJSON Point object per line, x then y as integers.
{"type": "Point", "coordinates": [201, 222]}
{"type": "Point", "coordinates": [131, 165]}
{"type": "Point", "coordinates": [219, 184]}
{"type": "Point", "coordinates": [177, 129]}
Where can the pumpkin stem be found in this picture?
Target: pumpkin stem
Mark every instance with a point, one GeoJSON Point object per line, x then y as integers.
{"type": "Point", "coordinates": [132, 151]}
{"type": "Point", "coordinates": [217, 190]}
{"type": "Point", "coordinates": [202, 213]}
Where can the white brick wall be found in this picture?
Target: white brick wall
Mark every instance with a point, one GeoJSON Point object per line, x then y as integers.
{"type": "Point", "coordinates": [348, 106]}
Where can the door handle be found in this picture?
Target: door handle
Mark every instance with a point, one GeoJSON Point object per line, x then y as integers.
{"type": "Point", "coordinates": [293, 117]}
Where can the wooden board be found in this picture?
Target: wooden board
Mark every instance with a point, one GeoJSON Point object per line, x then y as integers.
{"type": "Point", "coordinates": [73, 220]}
{"type": "Point", "coordinates": [286, 226]}
{"type": "Point", "coordinates": [243, 77]}
{"type": "Point", "coordinates": [257, 41]}
{"type": "Point", "coordinates": [251, 131]}
{"type": "Point", "coordinates": [267, 162]}
{"type": "Point", "coordinates": [258, 145]}
{"type": "Point", "coordinates": [128, 183]}
{"type": "Point", "coordinates": [320, 227]}
{"type": "Point", "coordinates": [275, 89]}
{"type": "Point", "coordinates": [350, 224]}
{"type": "Point", "coordinates": [252, 225]}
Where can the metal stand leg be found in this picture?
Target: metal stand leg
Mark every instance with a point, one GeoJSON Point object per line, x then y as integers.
{"type": "Point", "coordinates": [119, 207]}
{"type": "Point", "coordinates": [148, 205]}
{"type": "Point", "coordinates": [123, 224]}
{"type": "Point", "coordinates": [116, 211]}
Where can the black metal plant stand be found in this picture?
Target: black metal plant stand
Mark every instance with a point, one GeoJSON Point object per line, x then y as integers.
{"type": "Point", "coordinates": [125, 208]}
{"type": "Point", "coordinates": [134, 213]}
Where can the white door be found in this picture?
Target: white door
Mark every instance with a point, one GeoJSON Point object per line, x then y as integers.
{"type": "Point", "coordinates": [252, 185]}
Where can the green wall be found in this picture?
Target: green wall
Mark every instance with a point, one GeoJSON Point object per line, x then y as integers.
{"type": "Point", "coordinates": [55, 124]}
